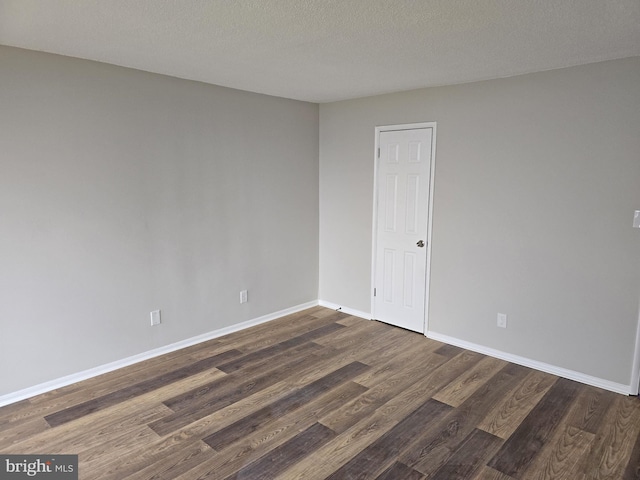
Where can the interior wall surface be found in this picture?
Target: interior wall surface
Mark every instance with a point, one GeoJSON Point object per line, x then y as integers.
{"type": "Point", "coordinates": [536, 184]}
{"type": "Point", "coordinates": [123, 192]}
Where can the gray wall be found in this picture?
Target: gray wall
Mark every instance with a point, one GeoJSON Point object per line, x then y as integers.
{"type": "Point", "coordinates": [537, 178]}
{"type": "Point", "coordinates": [122, 192]}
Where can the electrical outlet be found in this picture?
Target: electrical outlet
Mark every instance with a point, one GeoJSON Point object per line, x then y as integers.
{"type": "Point", "coordinates": [502, 320]}
{"type": "Point", "coordinates": [243, 296]}
{"type": "Point", "coordinates": [155, 318]}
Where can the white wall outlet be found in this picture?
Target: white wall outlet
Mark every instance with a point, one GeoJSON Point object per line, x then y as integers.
{"type": "Point", "coordinates": [636, 219]}
{"type": "Point", "coordinates": [155, 318]}
{"type": "Point", "coordinates": [502, 320]}
{"type": "Point", "coordinates": [243, 296]}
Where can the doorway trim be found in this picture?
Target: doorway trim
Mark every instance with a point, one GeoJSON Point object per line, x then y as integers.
{"type": "Point", "coordinates": [432, 171]}
{"type": "Point", "coordinates": [634, 386]}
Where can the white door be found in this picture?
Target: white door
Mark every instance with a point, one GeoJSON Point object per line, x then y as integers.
{"type": "Point", "coordinates": [401, 225]}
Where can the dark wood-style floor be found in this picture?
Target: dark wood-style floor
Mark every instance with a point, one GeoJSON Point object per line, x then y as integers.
{"type": "Point", "coordinates": [320, 394]}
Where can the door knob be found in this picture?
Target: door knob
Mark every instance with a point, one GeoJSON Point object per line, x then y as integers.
{"type": "Point", "coordinates": [420, 243]}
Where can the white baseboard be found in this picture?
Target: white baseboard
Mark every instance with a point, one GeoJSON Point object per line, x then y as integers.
{"type": "Point", "coordinates": [94, 372]}
{"type": "Point", "coordinates": [109, 367]}
{"type": "Point", "coordinates": [527, 362]}
{"type": "Point", "coordinates": [347, 310]}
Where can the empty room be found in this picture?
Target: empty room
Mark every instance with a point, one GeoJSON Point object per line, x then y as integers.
{"type": "Point", "coordinates": [309, 239]}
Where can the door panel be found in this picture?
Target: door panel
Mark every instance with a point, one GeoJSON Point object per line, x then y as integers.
{"type": "Point", "coordinates": [403, 170]}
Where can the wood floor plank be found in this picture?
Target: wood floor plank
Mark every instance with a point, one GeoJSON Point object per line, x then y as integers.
{"type": "Point", "coordinates": [259, 366]}
{"type": "Point", "coordinates": [466, 384]}
{"type": "Point", "coordinates": [285, 455]}
{"type": "Point", "coordinates": [14, 411]}
{"type": "Point", "coordinates": [64, 397]}
{"type": "Point", "coordinates": [290, 325]}
{"type": "Point", "coordinates": [195, 431]}
{"type": "Point", "coordinates": [350, 321]}
{"type": "Point", "coordinates": [94, 458]}
{"type": "Point", "coordinates": [93, 405]}
{"type": "Point", "coordinates": [321, 312]}
{"type": "Point", "coordinates": [562, 455]}
{"type": "Point", "coordinates": [265, 353]}
{"type": "Point", "coordinates": [96, 447]}
{"type": "Point", "coordinates": [350, 442]}
{"type": "Point", "coordinates": [98, 427]}
{"type": "Point", "coordinates": [275, 434]}
{"type": "Point", "coordinates": [488, 473]}
{"type": "Point", "coordinates": [284, 331]}
{"type": "Point", "coordinates": [59, 399]}
{"type": "Point", "coordinates": [591, 406]}
{"type": "Point", "coordinates": [399, 471]}
{"type": "Point", "coordinates": [72, 438]}
{"type": "Point", "coordinates": [503, 420]}
{"type": "Point", "coordinates": [355, 327]}
{"type": "Point", "coordinates": [343, 448]}
{"type": "Point", "coordinates": [383, 452]}
{"type": "Point", "coordinates": [178, 460]}
{"type": "Point", "coordinates": [339, 358]}
{"type": "Point", "coordinates": [426, 387]}
{"type": "Point", "coordinates": [156, 457]}
{"type": "Point", "coordinates": [534, 431]}
{"type": "Point", "coordinates": [632, 470]}
{"type": "Point", "coordinates": [116, 380]}
{"type": "Point", "coordinates": [198, 397]}
{"type": "Point", "coordinates": [198, 403]}
{"type": "Point", "coordinates": [116, 444]}
{"type": "Point", "coordinates": [414, 352]}
{"type": "Point", "coordinates": [469, 457]}
{"type": "Point", "coordinates": [381, 392]}
{"type": "Point", "coordinates": [449, 350]}
{"type": "Point", "coordinates": [364, 335]}
{"type": "Point", "coordinates": [435, 448]}
{"type": "Point", "coordinates": [306, 370]}
{"type": "Point", "coordinates": [322, 394]}
{"type": "Point", "coordinates": [16, 433]}
{"type": "Point", "coordinates": [226, 436]}
{"type": "Point", "coordinates": [610, 452]}
{"type": "Point", "coordinates": [249, 405]}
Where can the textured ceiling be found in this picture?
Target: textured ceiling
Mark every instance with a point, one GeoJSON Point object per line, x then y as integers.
{"type": "Point", "coordinates": [326, 50]}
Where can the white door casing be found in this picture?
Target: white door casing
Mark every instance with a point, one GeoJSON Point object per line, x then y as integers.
{"type": "Point", "coordinates": [402, 224]}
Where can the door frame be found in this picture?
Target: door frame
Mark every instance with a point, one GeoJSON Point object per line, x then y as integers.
{"type": "Point", "coordinates": [432, 171]}
{"type": "Point", "coordinates": [634, 386]}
